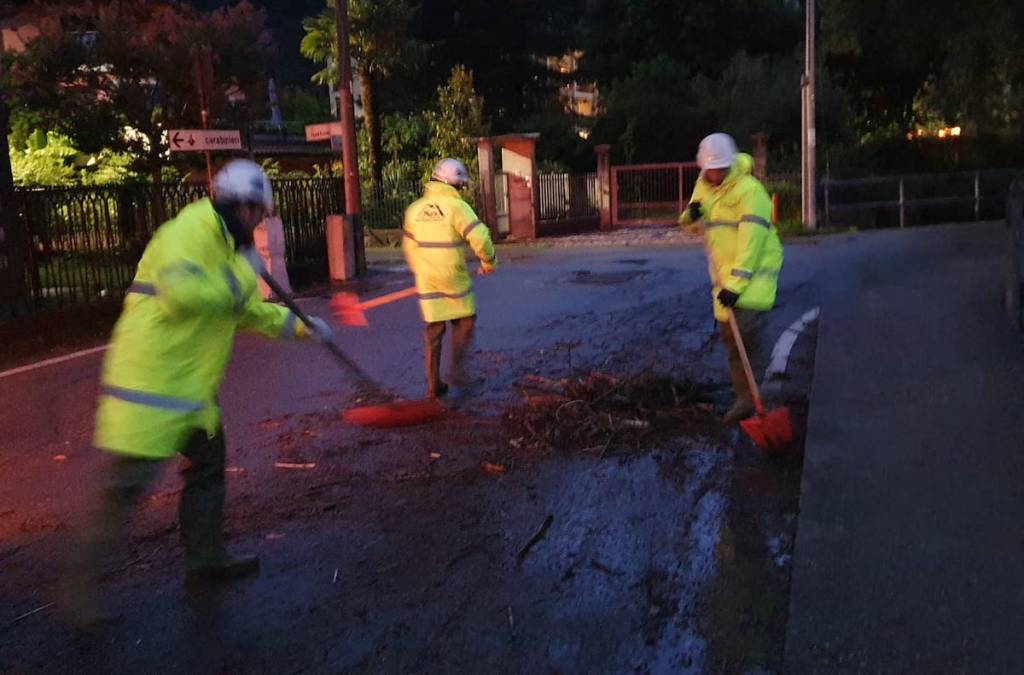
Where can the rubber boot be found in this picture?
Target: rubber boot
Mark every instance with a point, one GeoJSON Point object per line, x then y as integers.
{"type": "Point", "coordinates": [433, 336]}
{"type": "Point", "coordinates": [462, 340]}
{"type": "Point", "coordinates": [79, 598]}
{"type": "Point", "coordinates": [201, 515]}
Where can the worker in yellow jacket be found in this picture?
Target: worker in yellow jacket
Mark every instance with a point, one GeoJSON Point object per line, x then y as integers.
{"type": "Point", "coordinates": [744, 253]}
{"type": "Point", "coordinates": [437, 227]}
{"type": "Point", "coordinates": [195, 285]}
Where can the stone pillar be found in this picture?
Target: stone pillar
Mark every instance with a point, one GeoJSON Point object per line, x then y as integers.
{"type": "Point", "coordinates": [268, 238]}
{"type": "Point", "coordinates": [760, 141]}
{"type": "Point", "coordinates": [485, 159]}
{"type": "Point", "coordinates": [518, 160]}
{"type": "Point", "coordinates": [604, 185]}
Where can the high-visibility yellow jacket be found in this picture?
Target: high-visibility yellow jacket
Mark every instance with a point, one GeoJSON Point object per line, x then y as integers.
{"type": "Point", "coordinates": [172, 343]}
{"type": "Point", "coordinates": [743, 244]}
{"type": "Point", "coordinates": [437, 227]}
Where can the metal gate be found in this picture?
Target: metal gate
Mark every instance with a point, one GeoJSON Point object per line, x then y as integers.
{"type": "Point", "coordinates": [651, 194]}
{"type": "Point", "coordinates": [501, 203]}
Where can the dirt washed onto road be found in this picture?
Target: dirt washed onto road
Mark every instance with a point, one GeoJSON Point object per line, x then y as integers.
{"type": "Point", "coordinates": [612, 527]}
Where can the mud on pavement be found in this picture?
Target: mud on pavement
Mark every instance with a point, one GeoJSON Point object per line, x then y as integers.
{"type": "Point", "coordinates": [469, 545]}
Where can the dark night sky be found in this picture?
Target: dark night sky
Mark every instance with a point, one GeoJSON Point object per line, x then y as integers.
{"type": "Point", "coordinates": [284, 17]}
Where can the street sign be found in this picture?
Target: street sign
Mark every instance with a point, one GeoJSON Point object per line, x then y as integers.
{"type": "Point", "coordinates": [200, 140]}
{"type": "Point", "coordinates": [322, 132]}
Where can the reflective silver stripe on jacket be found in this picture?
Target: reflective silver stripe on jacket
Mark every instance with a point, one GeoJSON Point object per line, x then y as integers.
{"type": "Point", "coordinates": [767, 273]}
{"type": "Point", "coordinates": [469, 228]}
{"type": "Point", "coordinates": [757, 220]}
{"type": "Point", "coordinates": [142, 288]}
{"type": "Point", "coordinates": [437, 295]}
{"type": "Point", "coordinates": [432, 244]}
{"type": "Point", "coordinates": [722, 223]}
{"type": "Point", "coordinates": [742, 274]}
{"type": "Point", "coordinates": [288, 329]}
{"type": "Point", "coordinates": [235, 288]}
{"type": "Point", "coordinates": [153, 400]}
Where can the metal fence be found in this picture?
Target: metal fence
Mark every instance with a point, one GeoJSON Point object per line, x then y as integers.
{"type": "Point", "coordinates": [920, 199]}
{"type": "Point", "coordinates": [564, 195]}
{"type": "Point", "coordinates": [384, 208]}
{"type": "Point", "coordinates": [651, 194]}
{"type": "Point", "coordinates": [303, 204]}
{"type": "Point", "coordinates": [84, 243]}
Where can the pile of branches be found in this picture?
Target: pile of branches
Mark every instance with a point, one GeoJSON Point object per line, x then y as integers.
{"type": "Point", "coordinates": [599, 412]}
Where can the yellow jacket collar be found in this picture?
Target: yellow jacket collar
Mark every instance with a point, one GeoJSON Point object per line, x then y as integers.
{"type": "Point", "coordinates": [435, 187]}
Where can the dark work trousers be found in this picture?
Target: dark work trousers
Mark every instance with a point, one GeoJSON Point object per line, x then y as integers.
{"type": "Point", "coordinates": [752, 325]}
{"type": "Point", "coordinates": [125, 481]}
{"type": "Point", "coordinates": [462, 339]}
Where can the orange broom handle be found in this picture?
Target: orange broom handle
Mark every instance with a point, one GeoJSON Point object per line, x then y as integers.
{"type": "Point", "coordinates": [736, 336]}
{"type": "Point", "coordinates": [747, 370]}
{"type": "Point", "coordinates": [385, 299]}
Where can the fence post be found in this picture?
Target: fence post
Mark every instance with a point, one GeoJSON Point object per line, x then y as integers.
{"type": "Point", "coordinates": [14, 239]}
{"type": "Point", "coordinates": [902, 207]}
{"type": "Point", "coordinates": [977, 195]}
{"type": "Point", "coordinates": [605, 199]}
{"type": "Point", "coordinates": [682, 204]}
{"type": "Point", "coordinates": [828, 204]}
{"type": "Point", "coordinates": [1014, 288]}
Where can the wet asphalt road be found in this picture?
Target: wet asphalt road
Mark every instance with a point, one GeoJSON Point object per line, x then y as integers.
{"type": "Point", "coordinates": [382, 559]}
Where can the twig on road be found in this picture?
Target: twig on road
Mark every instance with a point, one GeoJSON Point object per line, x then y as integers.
{"type": "Point", "coordinates": [28, 614]}
{"type": "Point", "coordinates": [535, 538]}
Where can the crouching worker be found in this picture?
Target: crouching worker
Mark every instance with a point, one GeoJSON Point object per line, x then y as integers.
{"type": "Point", "coordinates": [194, 287]}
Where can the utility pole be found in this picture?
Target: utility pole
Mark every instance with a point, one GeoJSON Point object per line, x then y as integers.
{"type": "Point", "coordinates": [349, 152]}
{"type": "Point", "coordinates": [808, 139]}
{"type": "Point", "coordinates": [202, 75]}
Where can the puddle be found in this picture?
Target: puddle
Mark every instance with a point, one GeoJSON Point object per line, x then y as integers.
{"type": "Point", "coordinates": [603, 278]}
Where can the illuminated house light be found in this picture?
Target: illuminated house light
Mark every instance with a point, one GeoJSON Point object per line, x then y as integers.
{"type": "Point", "coordinates": [942, 133]}
{"type": "Point", "coordinates": [955, 131]}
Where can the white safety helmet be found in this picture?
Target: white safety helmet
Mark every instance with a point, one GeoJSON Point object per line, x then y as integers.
{"type": "Point", "coordinates": [242, 180]}
{"type": "Point", "coordinates": [451, 171]}
{"type": "Point", "coordinates": [717, 151]}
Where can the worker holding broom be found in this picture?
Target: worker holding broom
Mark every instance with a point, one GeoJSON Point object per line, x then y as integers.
{"type": "Point", "coordinates": [744, 256]}
{"type": "Point", "coordinates": [194, 287]}
{"type": "Point", "coordinates": [437, 227]}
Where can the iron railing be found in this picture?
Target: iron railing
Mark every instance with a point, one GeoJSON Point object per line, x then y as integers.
{"type": "Point", "coordinates": [84, 243]}
{"type": "Point", "coordinates": [384, 208]}
{"type": "Point", "coordinates": [303, 204]}
{"type": "Point", "coordinates": [568, 196]}
{"type": "Point", "coordinates": [651, 194]}
{"type": "Point", "coordinates": [921, 199]}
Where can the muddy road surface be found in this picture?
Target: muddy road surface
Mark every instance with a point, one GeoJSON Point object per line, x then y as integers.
{"type": "Point", "coordinates": [455, 547]}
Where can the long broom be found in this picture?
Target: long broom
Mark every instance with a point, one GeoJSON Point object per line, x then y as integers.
{"type": "Point", "coordinates": [393, 413]}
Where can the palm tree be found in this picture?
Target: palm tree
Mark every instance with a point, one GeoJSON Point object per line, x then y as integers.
{"type": "Point", "coordinates": [378, 44]}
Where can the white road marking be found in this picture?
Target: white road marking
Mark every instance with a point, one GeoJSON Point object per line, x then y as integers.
{"type": "Point", "coordinates": [782, 349]}
{"type": "Point", "coordinates": [51, 362]}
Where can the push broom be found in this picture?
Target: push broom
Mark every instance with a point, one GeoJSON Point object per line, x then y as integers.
{"type": "Point", "coordinates": [393, 412]}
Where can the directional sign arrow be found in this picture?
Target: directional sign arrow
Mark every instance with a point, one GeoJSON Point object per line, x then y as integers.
{"type": "Point", "coordinates": [176, 139]}
{"type": "Point", "coordinates": [191, 140]}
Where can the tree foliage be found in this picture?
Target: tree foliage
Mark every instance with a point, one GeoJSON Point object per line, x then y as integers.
{"type": "Point", "coordinates": [905, 63]}
{"type": "Point", "coordinates": [117, 74]}
{"type": "Point", "coordinates": [458, 120]}
{"type": "Point", "coordinates": [379, 44]}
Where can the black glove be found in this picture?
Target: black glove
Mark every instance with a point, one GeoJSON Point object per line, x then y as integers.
{"type": "Point", "coordinates": [727, 297]}
{"type": "Point", "coordinates": [695, 214]}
